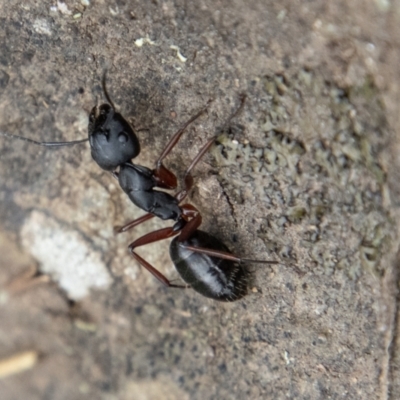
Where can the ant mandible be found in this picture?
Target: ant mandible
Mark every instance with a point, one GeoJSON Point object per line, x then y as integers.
{"type": "Point", "coordinates": [203, 261]}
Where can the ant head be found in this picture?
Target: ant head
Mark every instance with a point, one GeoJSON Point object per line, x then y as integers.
{"type": "Point", "coordinates": [112, 140]}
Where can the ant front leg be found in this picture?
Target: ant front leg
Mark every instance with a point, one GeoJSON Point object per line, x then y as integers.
{"type": "Point", "coordinates": [152, 237]}
{"type": "Point", "coordinates": [188, 179]}
{"type": "Point", "coordinates": [164, 177]}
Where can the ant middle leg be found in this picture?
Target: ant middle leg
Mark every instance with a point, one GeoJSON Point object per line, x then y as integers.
{"type": "Point", "coordinates": [188, 179]}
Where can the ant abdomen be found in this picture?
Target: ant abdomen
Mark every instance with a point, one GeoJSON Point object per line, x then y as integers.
{"type": "Point", "coordinates": [213, 277]}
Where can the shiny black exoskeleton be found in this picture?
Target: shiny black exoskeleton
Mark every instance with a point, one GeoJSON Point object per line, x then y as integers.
{"type": "Point", "coordinates": [114, 144]}
{"type": "Point", "coordinates": [112, 140]}
{"type": "Point", "coordinates": [213, 277]}
{"type": "Point", "coordinates": [203, 261]}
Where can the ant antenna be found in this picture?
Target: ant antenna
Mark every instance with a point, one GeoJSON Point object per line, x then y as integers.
{"type": "Point", "coordinates": [44, 144]}
{"type": "Point", "coordinates": [61, 144]}
{"type": "Point", "coordinates": [103, 84]}
{"type": "Point", "coordinates": [240, 108]}
{"type": "Point", "coordinates": [234, 114]}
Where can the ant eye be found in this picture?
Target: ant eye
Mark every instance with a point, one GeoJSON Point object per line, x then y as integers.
{"type": "Point", "coordinates": [122, 137]}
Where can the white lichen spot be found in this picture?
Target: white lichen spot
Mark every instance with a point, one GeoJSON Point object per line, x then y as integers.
{"type": "Point", "coordinates": [139, 42]}
{"type": "Point", "coordinates": [41, 26]}
{"type": "Point", "coordinates": [178, 53]}
{"type": "Point", "coordinates": [114, 11]}
{"type": "Point", "coordinates": [63, 8]}
{"type": "Point", "coordinates": [142, 41]}
{"type": "Point", "coordinates": [286, 357]}
{"type": "Point", "coordinates": [65, 255]}
{"type": "Point", "coordinates": [85, 3]}
{"type": "Point", "coordinates": [281, 15]}
{"type": "Point", "coordinates": [370, 47]}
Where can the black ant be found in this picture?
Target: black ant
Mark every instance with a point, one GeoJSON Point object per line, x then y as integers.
{"type": "Point", "coordinates": [204, 262]}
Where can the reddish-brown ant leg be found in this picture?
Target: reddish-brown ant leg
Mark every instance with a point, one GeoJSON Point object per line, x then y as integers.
{"type": "Point", "coordinates": [164, 177]}
{"type": "Point", "coordinates": [200, 154]}
{"type": "Point", "coordinates": [188, 179]}
{"type": "Point", "coordinates": [132, 224]}
{"type": "Point", "coordinates": [152, 237]}
{"type": "Point", "coordinates": [175, 138]}
{"type": "Point", "coordinates": [194, 221]}
{"type": "Point", "coordinates": [226, 256]}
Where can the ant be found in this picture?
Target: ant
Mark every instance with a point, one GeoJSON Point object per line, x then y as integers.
{"type": "Point", "coordinates": [203, 261]}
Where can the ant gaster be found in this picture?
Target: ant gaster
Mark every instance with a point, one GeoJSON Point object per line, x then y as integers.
{"type": "Point", "coordinates": [203, 261]}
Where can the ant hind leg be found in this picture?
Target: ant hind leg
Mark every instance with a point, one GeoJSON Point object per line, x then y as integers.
{"type": "Point", "coordinates": [152, 237]}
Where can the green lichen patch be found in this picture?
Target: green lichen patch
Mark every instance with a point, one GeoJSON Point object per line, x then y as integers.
{"type": "Point", "coordinates": [316, 176]}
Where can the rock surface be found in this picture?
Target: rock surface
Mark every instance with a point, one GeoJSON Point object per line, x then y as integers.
{"type": "Point", "coordinates": [307, 174]}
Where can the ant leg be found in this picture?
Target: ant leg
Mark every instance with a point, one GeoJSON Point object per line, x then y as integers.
{"type": "Point", "coordinates": [188, 179]}
{"type": "Point", "coordinates": [152, 237]}
{"type": "Point", "coordinates": [225, 255]}
{"type": "Point", "coordinates": [175, 138]}
{"type": "Point", "coordinates": [165, 178]}
{"type": "Point", "coordinates": [193, 218]}
{"type": "Point", "coordinates": [132, 224]}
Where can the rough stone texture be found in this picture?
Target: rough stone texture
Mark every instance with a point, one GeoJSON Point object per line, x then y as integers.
{"type": "Point", "coordinates": [307, 173]}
